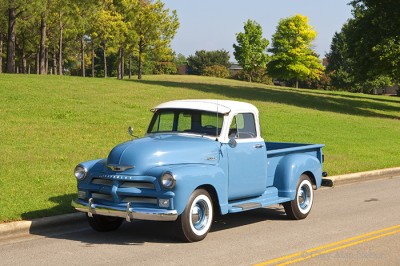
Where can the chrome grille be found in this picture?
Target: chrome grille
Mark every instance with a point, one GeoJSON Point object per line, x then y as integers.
{"type": "Point", "coordinates": [140, 200]}
{"type": "Point", "coordinates": [104, 182]}
{"type": "Point", "coordinates": [102, 196]}
{"type": "Point", "coordinates": [136, 184]}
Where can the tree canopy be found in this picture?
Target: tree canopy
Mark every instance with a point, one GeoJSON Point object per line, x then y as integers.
{"type": "Point", "coordinates": [202, 59]}
{"type": "Point", "coordinates": [45, 36]}
{"type": "Point", "coordinates": [365, 54]}
{"type": "Point", "coordinates": [293, 56]}
{"type": "Point", "coordinates": [251, 49]}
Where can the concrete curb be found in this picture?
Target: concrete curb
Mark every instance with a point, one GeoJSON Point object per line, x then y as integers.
{"type": "Point", "coordinates": [41, 225]}
{"type": "Point", "coordinates": [362, 176]}
{"type": "Point", "coordinates": [48, 224]}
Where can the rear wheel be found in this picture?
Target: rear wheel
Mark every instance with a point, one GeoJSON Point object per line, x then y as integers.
{"type": "Point", "coordinates": [102, 223]}
{"type": "Point", "coordinates": [195, 221]}
{"type": "Point", "coordinates": [300, 207]}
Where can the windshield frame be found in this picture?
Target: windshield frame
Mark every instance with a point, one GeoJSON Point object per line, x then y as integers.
{"type": "Point", "coordinates": [210, 131]}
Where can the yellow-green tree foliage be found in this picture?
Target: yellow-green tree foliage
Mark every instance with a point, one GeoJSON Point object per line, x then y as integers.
{"type": "Point", "coordinates": [293, 56]}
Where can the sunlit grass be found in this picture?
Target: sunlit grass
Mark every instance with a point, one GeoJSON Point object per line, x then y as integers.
{"type": "Point", "coordinates": [49, 124]}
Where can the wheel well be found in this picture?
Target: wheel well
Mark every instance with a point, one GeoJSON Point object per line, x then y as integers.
{"type": "Point", "coordinates": [312, 178]}
{"type": "Point", "coordinates": [214, 197]}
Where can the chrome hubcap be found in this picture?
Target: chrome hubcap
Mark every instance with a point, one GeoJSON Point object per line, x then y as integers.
{"type": "Point", "coordinates": [304, 197]}
{"type": "Point", "coordinates": [200, 215]}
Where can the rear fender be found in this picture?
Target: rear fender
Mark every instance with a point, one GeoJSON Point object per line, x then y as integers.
{"type": "Point", "coordinates": [291, 167]}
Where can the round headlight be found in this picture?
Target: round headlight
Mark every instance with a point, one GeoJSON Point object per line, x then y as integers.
{"type": "Point", "coordinates": [80, 172]}
{"type": "Point", "coordinates": [168, 180]}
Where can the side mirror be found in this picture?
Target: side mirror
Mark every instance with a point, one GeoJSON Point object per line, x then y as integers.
{"type": "Point", "coordinates": [130, 131]}
{"type": "Point", "coordinates": [232, 142]}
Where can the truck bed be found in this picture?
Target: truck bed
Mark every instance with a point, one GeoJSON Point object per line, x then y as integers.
{"type": "Point", "coordinates": [282, 148]}
{"type": "Point", "coordinates": [276, 151]}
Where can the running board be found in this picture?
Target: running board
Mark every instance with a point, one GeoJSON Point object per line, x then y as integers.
{"type": "Point", "coordinates": [248, 206]}
{"type": "Point", "coordinates": [255, 203]}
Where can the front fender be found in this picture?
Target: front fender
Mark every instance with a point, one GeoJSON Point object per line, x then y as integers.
{"type": "Point", "coordinates": [190, 177]}
{"type": "Point", "coordinates": [291, 167]}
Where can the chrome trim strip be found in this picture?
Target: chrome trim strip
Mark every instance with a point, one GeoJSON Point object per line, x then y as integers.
{"type": "Point", "coordinates": [127, 213]}
{"type": "Point", "coordinates": [119, 168]}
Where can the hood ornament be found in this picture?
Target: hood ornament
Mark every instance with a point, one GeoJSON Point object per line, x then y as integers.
{"type": "Point", "coordinates": [119, 168]}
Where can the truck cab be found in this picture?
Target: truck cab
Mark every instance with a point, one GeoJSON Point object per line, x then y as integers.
{"type": "Point", "coordinates": [197, 158]}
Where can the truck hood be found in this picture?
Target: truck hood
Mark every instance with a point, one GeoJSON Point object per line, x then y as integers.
{"type": "Point", "coordinates": [164, 149]}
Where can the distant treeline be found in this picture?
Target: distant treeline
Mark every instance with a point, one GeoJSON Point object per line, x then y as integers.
{"type": "Point", "coordinates": [90, 37]}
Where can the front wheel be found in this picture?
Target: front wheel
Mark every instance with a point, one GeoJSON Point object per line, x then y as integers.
{"type": "Point", "coordinates": [195, 221]}
{"type": "Point", "coordinates": [102, 223]}
{"type": "Point", "coordinates": [300, 207]}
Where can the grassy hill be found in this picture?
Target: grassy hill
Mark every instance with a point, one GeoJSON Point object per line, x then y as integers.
{"type": "Point", "coordinates": [51, 123]}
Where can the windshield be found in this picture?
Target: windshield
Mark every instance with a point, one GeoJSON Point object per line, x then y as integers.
{"type": "Point", "coordinates": [186, 121]}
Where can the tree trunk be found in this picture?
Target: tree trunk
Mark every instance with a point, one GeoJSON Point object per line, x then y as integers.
{"type": "Point", "coordinates": [54, 59]}
{"type": "Point", "coordinates": [105, 60]}
{"type": "Point", "coordinates": [42, 50]}
{"type": "Point", "coordinates": [37, 63]}
{"type": "Point", "coordinates": [140, 59]}
{"type": "Point", "coordinates": [92, 59]}
{"type": "Point", "coordinates": [47, 60]}
{"type": "Point", "coordinates": [23, 55]}
{"type": "Point", "coordinates": [130, 66]}
{"type": "Point", "coordinates": [60, 47]}
{"type": "Point", "coordinates": [121, 64]}
{"type": "Point", "coordinates": [83, 56]}
{"type": "Point", "coordinates": [1, 52]}
{"type": "Point", "coordinates": [12, 19]}
{"type": "Point", "coordinates": [297, 83]}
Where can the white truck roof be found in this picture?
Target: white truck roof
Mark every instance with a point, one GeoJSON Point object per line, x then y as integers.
{"type": "Point", "coordinates": [220, 106]}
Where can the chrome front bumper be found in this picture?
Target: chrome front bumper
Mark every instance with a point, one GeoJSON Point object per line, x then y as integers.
{"type": "Point", "coordinates": [129, 213]}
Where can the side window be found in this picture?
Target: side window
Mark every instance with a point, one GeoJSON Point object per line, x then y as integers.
{"type": "Point", "coordinates": [184, 121]}
{"type": "Point", "coordinates": [243, 126]}
{"type": "Point", "coordinates": [164, 122]}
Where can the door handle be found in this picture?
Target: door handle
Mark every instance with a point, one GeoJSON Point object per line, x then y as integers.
{"type": "Point", "coordinates": [258, 146]}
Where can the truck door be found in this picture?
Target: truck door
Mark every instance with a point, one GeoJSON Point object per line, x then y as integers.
{"type": "Point", "coordinates": [247, 160]}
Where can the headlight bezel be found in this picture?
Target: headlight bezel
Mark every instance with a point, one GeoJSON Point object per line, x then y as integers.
{"type": "Point", "coordinates": [168, 180]}
{"type": "Point", "coordinates": [80, 172]}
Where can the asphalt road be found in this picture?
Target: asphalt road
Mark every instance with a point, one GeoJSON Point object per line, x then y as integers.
{"type": "Point", "coordinates": [349, 224]}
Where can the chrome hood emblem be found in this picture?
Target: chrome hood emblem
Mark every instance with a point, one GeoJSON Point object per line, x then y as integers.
{"type": "Point", "coordinates": [119, 168]}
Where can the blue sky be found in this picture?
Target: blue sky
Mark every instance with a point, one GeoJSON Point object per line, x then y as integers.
{"type": "Point", "coordinates": [213, 24]}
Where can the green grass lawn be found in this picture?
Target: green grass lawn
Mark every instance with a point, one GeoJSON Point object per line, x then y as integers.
{"type": "Point", "coordinates": [51, 123]}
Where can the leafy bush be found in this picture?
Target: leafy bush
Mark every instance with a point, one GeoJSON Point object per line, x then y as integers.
{"type": "Point", "coordinates": [161, 68]}
{"type": "Point", "coordinates": [216, 71]}
{"type": "Point", "coordinates": [259, 76]}
{"type": "Point", "coordinates": [379, 82]}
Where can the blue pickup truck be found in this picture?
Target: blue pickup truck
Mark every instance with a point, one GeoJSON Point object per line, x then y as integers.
{"type": "Point", "coordinates": [198, 158]}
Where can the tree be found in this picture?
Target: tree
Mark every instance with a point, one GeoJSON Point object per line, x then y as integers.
{"type": "Point", "coordinates": [374, 40]}
{"type": "Point", "coordinates": [180, 60]}
{"type": "Point", "coordinates": [293, 56]}
{"type": "Point", "coordinates": [340, 63]}
{"type": "Point", "coordinates": [26, 41]}
{"type": "Point", "coordinates": [129, 11]}
{"type": "Point", "coordinates": [202, 59]}
{"type": "Point", "coordinates": [109, 30]}
{"type": "Point", "coordinates": [250, 52]}
{"type": "Point", "coordinates": [155, 27]}
{"type": "Point", "coordinates": [366, 52]}
{"type": "Point", "coordinates": [3, 29]}
{"type": "Point", "coordinates": [14, 10]}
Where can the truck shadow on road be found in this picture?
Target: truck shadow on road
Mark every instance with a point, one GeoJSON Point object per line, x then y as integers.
{"type": "Point", "coordinates": [142, 232]}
